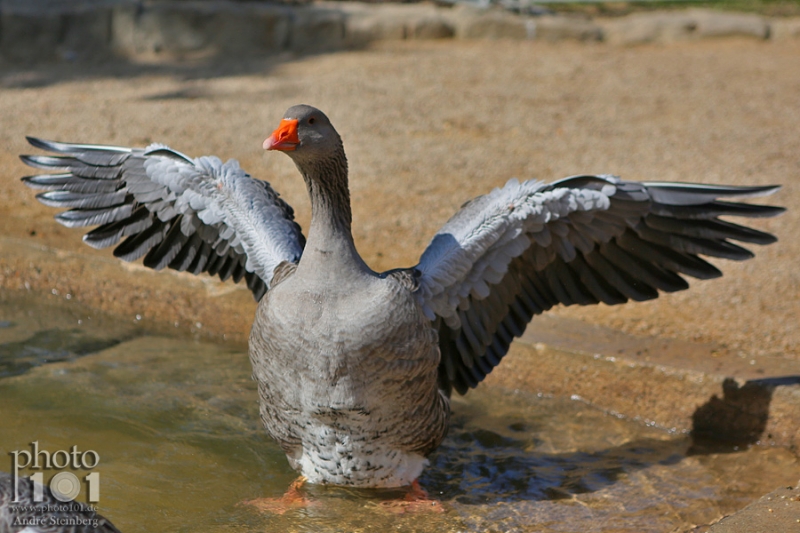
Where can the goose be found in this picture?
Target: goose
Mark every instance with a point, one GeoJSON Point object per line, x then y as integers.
{"type": "Point", "coordinates": [355, 368]}
{"type": "Point", "coordinates": [28, 507]}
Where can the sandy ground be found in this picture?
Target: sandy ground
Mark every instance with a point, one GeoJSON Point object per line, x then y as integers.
{"type": "Point", "coordinates": [428, 125]}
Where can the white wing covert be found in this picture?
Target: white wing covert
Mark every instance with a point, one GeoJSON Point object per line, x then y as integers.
{"type": "Point", "coordinates": [519, 250]}
{"type": "Point", "coordinates": [195, 215]}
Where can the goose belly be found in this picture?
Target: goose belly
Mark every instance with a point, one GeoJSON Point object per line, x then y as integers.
{"type": "Point", "coordinates": [340, 455]}
{"type": "Point", "coordinates": [349, 391]}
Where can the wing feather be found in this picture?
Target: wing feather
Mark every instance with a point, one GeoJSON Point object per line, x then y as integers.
{"type": "Point", "coordinates": [520, 250]}
{"type": "Point", "coordinates": [195, 215]}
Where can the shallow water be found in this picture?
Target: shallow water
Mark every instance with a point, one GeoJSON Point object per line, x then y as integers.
{"type": "Point", "coordinates": [175, 424]}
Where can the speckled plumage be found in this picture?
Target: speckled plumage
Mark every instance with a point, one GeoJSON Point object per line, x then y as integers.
{"type": "Point", "coordinates": [347, 378]}
{"type": "Point", "coordinates": [354, 367]}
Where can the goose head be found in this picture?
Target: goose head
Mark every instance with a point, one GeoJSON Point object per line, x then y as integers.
{"type": "Point", "coordinates": [307, 136]}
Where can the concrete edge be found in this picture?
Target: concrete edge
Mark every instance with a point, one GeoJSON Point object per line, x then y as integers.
{"type": "Point", "coordinates": [777, 511]}
{"type": "Point", "coordinates": [681, 386]}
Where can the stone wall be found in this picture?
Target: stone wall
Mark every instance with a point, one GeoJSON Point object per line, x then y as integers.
{"type": "Point", "coordinates": [50, 30]}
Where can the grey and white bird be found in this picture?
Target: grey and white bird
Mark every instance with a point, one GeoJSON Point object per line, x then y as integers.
{"type": "Point", "coordinates": [355, 367]}
{"type": "Point", "coordinates": [32, 508]}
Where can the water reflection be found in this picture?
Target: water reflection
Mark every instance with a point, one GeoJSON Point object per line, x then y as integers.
{"type": "Point", "coordinates": [470, 473]}
{"type": "Point", "coordinates": [49, 346]}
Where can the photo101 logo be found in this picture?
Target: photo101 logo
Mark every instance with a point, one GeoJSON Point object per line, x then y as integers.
{"type": "Point", "coordinates": [64, 485]}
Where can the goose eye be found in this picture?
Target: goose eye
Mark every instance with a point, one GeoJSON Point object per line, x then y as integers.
{"type": "Point", "coordinates": [312, 120]}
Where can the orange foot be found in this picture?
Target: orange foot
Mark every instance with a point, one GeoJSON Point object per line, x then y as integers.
{"type": "Point", "coordinates": [292, 499]}
{"type": "Point", "coordinates": [416, 500]}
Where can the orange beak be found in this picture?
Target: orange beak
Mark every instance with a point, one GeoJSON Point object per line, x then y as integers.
{"type": "Point", "coordinates": [284, 138]}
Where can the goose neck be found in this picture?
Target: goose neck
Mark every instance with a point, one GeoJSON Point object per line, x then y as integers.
{"type": "Point", "coordinates": [330, 237]}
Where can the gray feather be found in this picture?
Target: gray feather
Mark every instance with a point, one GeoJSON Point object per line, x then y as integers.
{"type": "Point", "coordinates": [591, 239]}
{"type": "Point", "coordinates": [189, 214]}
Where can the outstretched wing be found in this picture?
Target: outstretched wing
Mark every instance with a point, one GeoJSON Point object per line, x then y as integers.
{"type": "Point", "coordinates": [194, 215]}
{"type": "Point", "coordinates": [518, 251]}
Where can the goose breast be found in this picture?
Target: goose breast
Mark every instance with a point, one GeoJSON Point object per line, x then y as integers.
{"type": "Point", "coordinates": [341, 369]}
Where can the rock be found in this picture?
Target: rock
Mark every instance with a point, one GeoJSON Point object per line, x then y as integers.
{"type": "Point", "coordinates": [66, 34]}
{"type": "Point", "coordinates": [477, 23]}
{"type": "Point", "coordinates": [433, 27]}
{"type": "Point", "coordinates": [364, 28]}
{"type": "Point", "coordinates": [683, 25]}
{"type": "Point", "coordinates": [28, 37]}
{"type": "Point", "coordinates": [199, 28]}
{"type": "Point", "coordinates": [559, 28]}
{"type": "Point", "coordinates": [649, 27]}
{"type": "Point", "coordinates": [35, 30]}
{"type": "Point", "coordinates": [369, 23]}
{"type": "Point", "coordinates": [316, 28]}
{"type": "Point", "coordinates": [781, 29]}
{"type": "Point", "coordinates": [721, 24]}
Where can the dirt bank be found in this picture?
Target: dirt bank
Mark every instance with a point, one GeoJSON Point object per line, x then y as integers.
{"type": "Point", "coordinates": [428, 125]}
